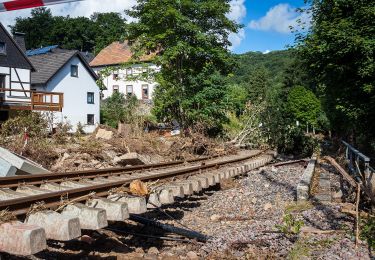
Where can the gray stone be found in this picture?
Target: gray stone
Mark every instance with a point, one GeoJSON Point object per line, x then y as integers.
{"type": "Point", "coordinates": [57, 226]}
{"type": "Point", "coordinates": [89, 218]}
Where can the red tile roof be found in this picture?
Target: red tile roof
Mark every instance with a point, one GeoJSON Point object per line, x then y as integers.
{"type": "Point", "coordinates": [114, 54]}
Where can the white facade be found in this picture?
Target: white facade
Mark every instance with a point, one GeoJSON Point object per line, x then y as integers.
{"type": "Point", "coordinates": [76, 108]}
{"type": "Point", "coordinates": [15, 79]}
{"type": "Point", "coordinates": [122, 80]}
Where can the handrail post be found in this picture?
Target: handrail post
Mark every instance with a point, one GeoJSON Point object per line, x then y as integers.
{"type": "Point", "coordinates": [32, 100]}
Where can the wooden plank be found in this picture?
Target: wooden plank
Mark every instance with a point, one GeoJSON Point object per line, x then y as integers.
{"type": "Point", "coordinates": [350, 179]}
{"type": "Point", "coordinates": [341, 170]}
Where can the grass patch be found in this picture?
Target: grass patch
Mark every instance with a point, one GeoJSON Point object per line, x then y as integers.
{"type": "Point", "coordinates": [298, 207]}
{"type": "Point", "coordinates": [300, 249]}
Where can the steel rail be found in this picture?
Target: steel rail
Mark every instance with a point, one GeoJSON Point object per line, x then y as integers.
{"type": "Point", "coordinates": [20, 206]}
{"type": "Point", "coordinates": [37, 179]}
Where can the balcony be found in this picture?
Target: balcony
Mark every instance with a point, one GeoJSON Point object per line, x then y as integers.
{"type": "Point", "coordinates": [18, 99]}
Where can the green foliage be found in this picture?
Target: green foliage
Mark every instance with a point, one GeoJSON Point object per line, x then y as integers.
{"type": "Point", "coordinates": [191, 40]}
{"type": "Point", "coordinates": [338, 53]}
{"type": "Point", "coordinates": [290, 225]}
{"type": "Point", "coordinates": [275, 63]}
{"type": "Point", "coordinates": [236, 98]}
{"type": "Point", "coordinates": [119, 108]}
{"type": "Point", "coordinates": [79, 129]}
{"type": "Point", "coordinates": [33, 123]}
{"type": "Point", "coordinates": [304, 106]}
{"type": "Point", "coordinates": [62, 131]}
{"type": "Point", "coordinates": [368, 231]}
{"type": "Point", "coordinates": [258, 83]}
{"type": "Point", "coordinates": [80, 33]}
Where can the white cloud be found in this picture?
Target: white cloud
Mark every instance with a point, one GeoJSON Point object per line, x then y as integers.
{"type": "Point", "coordinates": [266, 52]}
{"type": "Point", "coordinates": [88, 7]}
{"type": "Point", "coordinates": [279, 19]}
{"type": "Point", "coordinates": [83, 8]}
{"type": "Point", "coordinates": [236, 38]}
{"type": "Point", "coordinates": [237, 10]}
{"type": "Point", "coordinates": [237, 14]}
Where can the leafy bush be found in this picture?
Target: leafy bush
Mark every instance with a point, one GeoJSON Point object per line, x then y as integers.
{"type": "Point", "coordinates": [35, 124]}
{"type": "Point", "coordinates": [290, 225]}
{"type": "Point", "coordinates": [305, 106]}
{"type": "Point", "coordinates": [368, 231]}
{"type": "Point", "coordinates": [62, 132]}
{"type": "Point", "coordinates": [295, 141]}
{"type": "Point", "coordinates": [119, 108]}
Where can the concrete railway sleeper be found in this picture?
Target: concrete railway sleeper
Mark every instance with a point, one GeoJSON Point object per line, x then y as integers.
{"type": "Point", "coordinates": [92, 211]}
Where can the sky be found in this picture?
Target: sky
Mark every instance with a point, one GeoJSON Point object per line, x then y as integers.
{"type": "Point", "coordinates": [265, 22]}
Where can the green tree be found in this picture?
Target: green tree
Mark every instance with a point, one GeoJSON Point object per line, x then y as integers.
{"type": "Point", "coordinates": [338, 53]}
{"type": "Point", "coordinates": [191, 41]}
{"type": "Point", "coordinates": [79, 33]}
{"type": "Point", "coordinates": [37, 27]}
{"type": "Point", "coordinates": [258, 83]}
{"type": "Point", "coordinates": [304, 105]}
{"type": "Point", "coordinates": [112, 109]}
{"type": "Point", "coordinates": [236, 98]}
{"type": "Point", "coordinates": [119, 108]}
{"type": "Point", "coordinates": [110, 27]}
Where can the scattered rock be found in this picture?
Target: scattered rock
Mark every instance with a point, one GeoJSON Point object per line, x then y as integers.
{"type": "Point", "coordinates": [337, 195]}
{"type": "Point", "coordinates": [192, 255]}
{"type": "Point", "coordinates": [215, 217]}
{"type": "Point", "coordinates": [104, 134]}
{"type": "Point", "coordinates": [139, 250]}
{"type": "Point", "coordinates": [267, 206]}
{"type": "Point", "coordinates": [153, 251]}
{"type": "Point", "coordinates": [129, 159]}
{"type": "Point", "coordinates": [87, 239]}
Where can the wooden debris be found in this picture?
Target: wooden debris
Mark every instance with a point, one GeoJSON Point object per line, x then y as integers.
{"type": "Point", "coordinates": [357, 215]}
{"type": "Point", "coordinates": [6, 216]}
{"type": "Point", "coordinates": [341, 170]}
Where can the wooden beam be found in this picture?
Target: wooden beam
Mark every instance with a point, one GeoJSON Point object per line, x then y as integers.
{"type": "Point", "coordinates": [350, 179]}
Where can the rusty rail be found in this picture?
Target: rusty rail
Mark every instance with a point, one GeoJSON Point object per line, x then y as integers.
{"type": "Point", "coordinates": [37, 179]}
{"type": "Point", "coordinates": [20, 206]}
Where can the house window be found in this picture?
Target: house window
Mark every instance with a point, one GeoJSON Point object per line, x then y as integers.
{"type": "Point", "coordinates": [145, 91]}
{"type": "Point", "coordinates": [129, 71]}
{"type": "Point", "coordinates": [129, 90]}
{"type": "Point", "coordinates": [115, 76]}
{"type": "Point", "coordinates": [115, 89]}
{"type": "Point", "coordinates": [90, 119]}
{"type": "Point", "coordinates": [3, 48]}
{"type": "Point", "coordinates": [90, 98]}
{"type": "Point", "coordinates": [74, 71]}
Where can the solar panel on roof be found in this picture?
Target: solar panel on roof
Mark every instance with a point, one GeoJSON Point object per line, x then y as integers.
{"type": "Point", "coordinates": [40, 51]}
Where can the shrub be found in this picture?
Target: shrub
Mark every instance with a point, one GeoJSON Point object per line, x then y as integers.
{"type": "Point", "coordinates": [35, 124]}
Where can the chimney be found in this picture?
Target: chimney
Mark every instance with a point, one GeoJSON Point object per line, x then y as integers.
{"type": "Point", "coordinates": [19, 38]}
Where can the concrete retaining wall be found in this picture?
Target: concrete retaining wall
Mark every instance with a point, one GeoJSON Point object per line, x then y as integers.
{"type": "Point", "coordinates": [304, 185]}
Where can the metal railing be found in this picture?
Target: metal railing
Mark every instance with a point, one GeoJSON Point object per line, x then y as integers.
{"type": "Point", "coordinates": [358, 163]}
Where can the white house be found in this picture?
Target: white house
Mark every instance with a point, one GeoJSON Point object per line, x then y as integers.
{"type": "Point", "coordinates": [125, 76]}
{"type": "Point", "coordinates": [67, 72]}
{"type": "Point", "coordinates": [15, 80]}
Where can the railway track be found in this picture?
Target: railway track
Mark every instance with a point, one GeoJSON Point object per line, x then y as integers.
{"type": "Point", "coordinates": [92, 198]}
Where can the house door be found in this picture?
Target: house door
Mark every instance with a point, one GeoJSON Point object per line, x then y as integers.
{"type": "Point", "coordinates": [145, 94]}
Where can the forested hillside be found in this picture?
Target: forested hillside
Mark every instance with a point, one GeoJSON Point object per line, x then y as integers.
{"type": "Point", "coordinates": [275, 62]}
